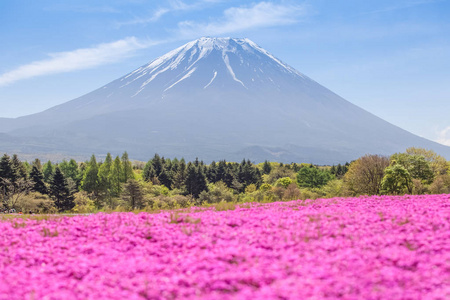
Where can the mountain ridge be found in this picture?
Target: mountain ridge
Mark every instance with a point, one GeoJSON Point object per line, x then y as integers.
{"type": "Point", "coordinates": [216, 98]}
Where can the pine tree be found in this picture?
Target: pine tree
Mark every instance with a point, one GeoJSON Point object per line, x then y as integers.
{"type": "Point", "coordinates": [149, 172]}
{"type": "Point", "coordinates": [157, 164]}
{"type": "Point", "coordinates": [266, 167]}
{"type": "Point", "coordinates": [165, 178]}
{"type": "Point", "coordinates": [48, 171]}
{"type": "Point", "coordinates": [104, 175]}
{"type": "Point", "coordinates": [19, 169]}
{"type": "Point", "coordinates": [6, 168]}
{"type": "Point", "coordinates": [116, 175]}
{"type": "Point", "coordinates": [180, 175]}
{"type": "Point", "coordinates": [60, 192]}
{"type": "Point", "coordinates": [211, 172]}
{"type": "Point", "coordinates": [133, 195]}
{"type": "Point", "coordinates": [195, 181]}
{"type": "Point", "coordinates": [37, 178]}
{"type": "Point", "coordinates": [127, 168]}
{"type": "Point", "coordinates": [90, 182]}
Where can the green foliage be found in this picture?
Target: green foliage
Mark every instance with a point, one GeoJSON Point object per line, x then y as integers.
{"type": "Point", "coordinates": [37, 178]}
{"type": "Point", "coordinates": [133, 194]}
{"type": "Point", "coordinates": [313, 177]}
{"type": "Point", "coordinates": [48, 171]}
{"type": "Point", "coordinates": [127, 169]}
{"type": "Point", "coordinates": [217, 192]}
{"type": "Point", "coordinates": [396, 180]}
{"type": "Point", "coordinates": [60, 192]}
{"type": "Point", "coordinates": [90, 181]}
{"type": "Point", "coordinates": [365, 174]}
{"type": "Point", "coordinates": [195, 181]}
{"type": "Point", "coordinates": [284, 182]}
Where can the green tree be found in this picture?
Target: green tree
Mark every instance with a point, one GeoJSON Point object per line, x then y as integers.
{"type": "Point", "coordinates": [365, 174]}
{"type": "Point", "coordinates": [104, 176]}
{"type": "Point", "coordinates": [133, 194]}
{"type": "Point", "coordinates": [312, 177]}
{"type": "Point", "coordinates": [60, 192]}
{"type": "Point", "coordinates": [116, 176]}
{"type": "Point", "coordinates": [70, 169]}
{"type": "Point", "coordinates": [37, 178]}
{"type": "Point", "coordinates": [195, 181]}
{"type": "Point", "coordinates": [396, 180]}
{"type": "Point", "coordinates": [417, 166]}
{"type": "Point", "coordinates": [19, 168]}
{"type": "Point", "coordinates": [266, 167]}
{"type": "Point", "coordinates": [48, 171]}
{"type": "Point", "coordinates": [127, 168]}
{"type": "Point", "coordinates": [90, 182]}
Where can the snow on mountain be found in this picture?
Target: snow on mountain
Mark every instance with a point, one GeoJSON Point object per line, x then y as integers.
{"type": "Point", "coordinates": [214, 98]}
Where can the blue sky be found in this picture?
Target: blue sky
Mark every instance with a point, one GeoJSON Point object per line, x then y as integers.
{"type": "Point", "coordinates": [391, 58]}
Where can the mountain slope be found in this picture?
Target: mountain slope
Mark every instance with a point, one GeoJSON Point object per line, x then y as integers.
{"type": "Point", "coordinates": [215, 98]}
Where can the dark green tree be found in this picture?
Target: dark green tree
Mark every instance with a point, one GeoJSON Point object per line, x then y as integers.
{"type": "Point", "coordinates": [179, 176]}
{"type": "Point", "coordinates": [37, 178]}
{"type": "Point", "coordinates": [20, 171]}
{"type": "Point", "coordinates": [195, 181]}
{"type": "Point", "coordinates": [60, 192]}
{"type": "Point", "coordinates": [266, 167]}
{"type": "Point", "coordinates": [165, 178]}
{"type": "Point", "coordinates": [313, 177]}
{"type": "Point", "coordinates": [133, 194]}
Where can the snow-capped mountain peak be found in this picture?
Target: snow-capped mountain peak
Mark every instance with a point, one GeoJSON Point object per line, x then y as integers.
{"type": "Point", "coordinates": [207, 62]}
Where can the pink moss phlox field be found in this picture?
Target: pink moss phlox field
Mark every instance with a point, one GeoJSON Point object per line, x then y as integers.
{"type": "Point", "coordinates": [350, 248]}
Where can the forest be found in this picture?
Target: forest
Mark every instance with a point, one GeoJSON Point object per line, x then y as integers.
{"type": "Point", "coordinates": [120, 184]}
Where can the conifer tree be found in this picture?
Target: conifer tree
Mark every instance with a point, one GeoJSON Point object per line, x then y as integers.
{"type": "Point", "coordinates": [116, 175]}
{"type": "Point", "coordinates": [157, 164]}
{"type": "Point", "coordinates": [37, 178]}
{"type": "Point", "coordinates": [19, 168]}
{"type": "Point", "coordinates": [127, 168]}
{"type": "Point", "coordinates": [266, 167]}
{"type": "Point", "coordinates": [180, 175]}
{"type": "Point", "coordinates": [48, 171]}
{"type": "Point", "coordinates": [165, 178]}
{"type": "Point", "coordinates": [104, 175]}
{"type": "Point", "coordinates": [90, 182]}
{"type": "Point", "coordinates": [149, 172]}
{"type": "Point", "coordinates": [6, 168]}
{"type": "Point", "coordinates": [133, 194]}
{"type": "Point", "coordinates": [195, 181]}
{"type": "Point", "coordinates": [60, 192]}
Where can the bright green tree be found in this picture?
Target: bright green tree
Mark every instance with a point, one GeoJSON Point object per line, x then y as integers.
{"type": "Point", "coordinates": [116, 176]}
{"type": "Point", "coordinates": [90, 181]}
{"type": "Point", "coordinates": [127, 168]}
{"type": "Point", "coordinates": [396, 180]}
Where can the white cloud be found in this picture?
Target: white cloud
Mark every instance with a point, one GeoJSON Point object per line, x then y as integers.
{"type": "Point", "coordinates": [262, 14]}
{"type": "Point", "coordinates": [79, 59]}
{"type": "Point", "coordinates": [174, 5]}
{"type": "Point", "coordinates": [444, 136]}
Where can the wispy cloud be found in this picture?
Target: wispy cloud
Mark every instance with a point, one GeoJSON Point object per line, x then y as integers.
{"type": "Point", "coordinates": [402, 6]}
{"type": "Point", "coordinates": [78, 59]}
{"type": "Point", "coordinates": [173, 6]}
{"type": "Point", "coordinates": [234, 19]}
{"type": "Point", "coordinates": [444, 136]}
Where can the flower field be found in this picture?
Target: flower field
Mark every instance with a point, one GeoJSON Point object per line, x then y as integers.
{"type": "Point", "coordinates": [350, 248]}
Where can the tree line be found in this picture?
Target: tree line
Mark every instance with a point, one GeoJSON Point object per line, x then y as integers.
{"type": "Point", "coordinates": [163, 183]}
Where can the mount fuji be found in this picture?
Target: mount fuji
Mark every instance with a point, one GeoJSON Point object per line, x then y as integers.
{"type": "Point", "coordinates": [212, 98]}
